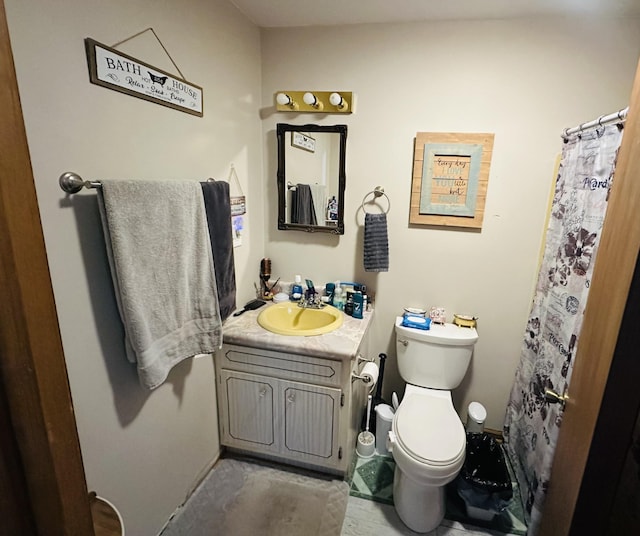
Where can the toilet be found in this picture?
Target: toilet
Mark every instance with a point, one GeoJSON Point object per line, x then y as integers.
{"type": "Point", "coordinates": [427, 438]}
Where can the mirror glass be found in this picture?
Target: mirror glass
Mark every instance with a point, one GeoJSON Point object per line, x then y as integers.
{"type": "Point", "coordinates": [311, 177]}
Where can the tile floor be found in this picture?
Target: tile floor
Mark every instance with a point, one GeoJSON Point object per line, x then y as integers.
{"type": "Point", "coordinates": [369, 518]}
{"type": "Point", "coordinates": [363, 517]}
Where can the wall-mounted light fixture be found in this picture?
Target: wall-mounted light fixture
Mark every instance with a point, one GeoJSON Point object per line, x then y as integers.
{"type": "Point", "coordinates": [316, 101]}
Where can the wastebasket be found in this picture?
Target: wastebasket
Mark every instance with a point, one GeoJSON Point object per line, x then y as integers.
{"type": "Point", "coordinates": [476, 415]}
{"type": "Point", "coordinates": [484, 482]}
{"type": "Point", "coordinates": [384, 418]}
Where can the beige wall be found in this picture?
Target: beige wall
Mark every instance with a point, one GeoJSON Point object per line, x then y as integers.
{"type": "Point", "coordinates": [523, 81]}
{"type": "Point", "coordinates": [142, 450]}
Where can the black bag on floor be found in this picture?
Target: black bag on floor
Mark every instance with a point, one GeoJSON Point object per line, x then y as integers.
{"type": "Point", "coordinates": [484, 480]}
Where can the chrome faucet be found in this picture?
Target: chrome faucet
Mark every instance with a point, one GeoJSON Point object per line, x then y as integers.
{"type": "Point", "coordinates": [311, 299]}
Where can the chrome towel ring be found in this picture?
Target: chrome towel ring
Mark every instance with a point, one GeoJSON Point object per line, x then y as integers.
{"type": "Point", "coordinates": [377, 192]}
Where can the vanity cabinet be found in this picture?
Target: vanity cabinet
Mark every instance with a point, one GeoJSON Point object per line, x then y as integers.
{"type": "Point", "coordinates": [293, 408]}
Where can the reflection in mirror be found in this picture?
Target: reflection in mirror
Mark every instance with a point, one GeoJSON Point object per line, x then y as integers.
{"type": "Point", "coordinates": [311, 177]}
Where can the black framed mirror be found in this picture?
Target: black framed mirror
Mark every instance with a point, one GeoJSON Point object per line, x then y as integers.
{"type": "Point", "coordinates": [311, 177]}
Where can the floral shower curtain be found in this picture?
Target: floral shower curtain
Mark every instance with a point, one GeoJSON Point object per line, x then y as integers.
{"type": "Point", "coordinates": [553, 329]}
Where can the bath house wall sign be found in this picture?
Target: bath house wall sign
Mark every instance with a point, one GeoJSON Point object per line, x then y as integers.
{"type": "Point", "coordinates": [114, 70]}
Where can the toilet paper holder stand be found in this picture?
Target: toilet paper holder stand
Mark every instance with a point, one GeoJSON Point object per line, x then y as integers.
{"type": "Point", "coordinates": [354, 376]}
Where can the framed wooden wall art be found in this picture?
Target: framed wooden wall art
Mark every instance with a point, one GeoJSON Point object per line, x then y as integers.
{"type": "Point", "coordinates": [450, 179]}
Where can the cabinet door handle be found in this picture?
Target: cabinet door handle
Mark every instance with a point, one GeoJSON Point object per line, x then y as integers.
{"type": "Point", "coordinates": [291, 398]}
{"type": "Point", "coordinates": [263, 392]}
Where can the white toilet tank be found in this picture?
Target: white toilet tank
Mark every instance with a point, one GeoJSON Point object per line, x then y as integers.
{"type": "Point", "coordinates": [437, 358]}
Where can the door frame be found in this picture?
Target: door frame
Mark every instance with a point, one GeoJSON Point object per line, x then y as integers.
{"type": "Point", "coordinates": [612, 276]}
{"type": "Point", "coordinates": [42, 481]}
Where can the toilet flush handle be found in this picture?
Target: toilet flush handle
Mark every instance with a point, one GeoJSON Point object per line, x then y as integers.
{"type": "Point", "coordinates": [403, 342]}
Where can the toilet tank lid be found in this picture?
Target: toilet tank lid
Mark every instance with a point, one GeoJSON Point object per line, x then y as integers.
{"type": "Point", "coordinates": [446, 334]}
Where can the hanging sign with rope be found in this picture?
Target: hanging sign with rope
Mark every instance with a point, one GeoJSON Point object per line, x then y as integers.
{"type": "Point", "coordinates": [115, 70]}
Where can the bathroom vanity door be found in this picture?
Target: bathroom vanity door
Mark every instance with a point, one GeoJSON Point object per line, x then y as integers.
{"type": "Point", "coordinates": [249, 420]}
{"type": "Point", "coordinates": [311, 422]}
{"type": "Point", "coordinates": [288, 419]}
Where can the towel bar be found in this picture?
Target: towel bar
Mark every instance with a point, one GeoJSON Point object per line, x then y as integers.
{"type": "Point", "coordinates": [72, 183]}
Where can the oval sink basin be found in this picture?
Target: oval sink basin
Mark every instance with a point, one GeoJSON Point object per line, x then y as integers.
{"type": "Point", "coordinates": [289, 319]}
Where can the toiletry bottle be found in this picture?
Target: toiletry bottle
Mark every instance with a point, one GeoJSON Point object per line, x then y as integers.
{"type": "Point", "coordinates": [332, 209]}
{"type": "Point", "coordinates": [337, 298]}
{"type": "Point", "coordinates": [329, 290]}
{"type": "Point", "coordinates": [296, 289]}
{"type": "Point", "coordinates": [310, 293]}
{"type": "Point", "coordinates": [358, 305]}
{"type": "Point", "coordinates": [343, 296]}
{"type": "Point", "coordinates": [348, 304]}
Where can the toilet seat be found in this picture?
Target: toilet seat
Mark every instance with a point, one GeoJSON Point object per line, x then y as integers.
{"type": "Point", "coordinates": [428, 429]}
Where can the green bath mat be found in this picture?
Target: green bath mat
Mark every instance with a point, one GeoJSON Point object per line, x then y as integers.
{"type": "Point", "coordinates": [372, 478]}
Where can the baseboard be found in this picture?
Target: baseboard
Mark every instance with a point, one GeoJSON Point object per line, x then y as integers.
{"type": "Point", "coordinates": [203, 474]}
{"type": "Point", "coordinates": [197, 481]}
{"type": "Point", "coordinates": [496, 434]}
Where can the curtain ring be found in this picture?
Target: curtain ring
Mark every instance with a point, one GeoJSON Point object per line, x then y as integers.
{"type": "Point", "coordinates": [601, 129]}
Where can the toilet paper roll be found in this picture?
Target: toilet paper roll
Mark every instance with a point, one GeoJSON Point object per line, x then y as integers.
{"type": "Point", "coordinates": [370, 372]}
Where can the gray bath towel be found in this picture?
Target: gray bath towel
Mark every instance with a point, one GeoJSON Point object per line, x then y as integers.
{"type": "Point", "coordinates": [376, 243]}
{"type": "Point", "coordinates": [218, 208]}
{"type": "Point", "coordinates": [161, 265]}
{"type": "Point", "coordinates": [303, 209]}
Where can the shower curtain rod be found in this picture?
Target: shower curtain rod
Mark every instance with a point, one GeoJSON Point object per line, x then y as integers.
{"type": "Point", "coordinates": [620, 115]}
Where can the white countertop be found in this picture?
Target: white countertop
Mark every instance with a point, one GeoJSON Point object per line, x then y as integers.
{"type": "Point", "coordinates": [341, 344]}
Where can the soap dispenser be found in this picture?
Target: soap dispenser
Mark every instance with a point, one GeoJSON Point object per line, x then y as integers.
{"type": "Point", "coordinates": [296, 290]}
{"type": "Point", "coordinates": [337, 298]}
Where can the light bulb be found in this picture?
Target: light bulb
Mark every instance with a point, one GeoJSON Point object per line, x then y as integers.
{"type": "Point", "coordinates": [311, 100]}
{"type": "Point", "coordinates": [336, 100]}
{"type": "Point", "coordinates": [283, 99]}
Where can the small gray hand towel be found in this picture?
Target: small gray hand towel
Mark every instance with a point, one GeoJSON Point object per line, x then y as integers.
{"type": "Point", "coordinates": [218, 208]}
{"type": "Point", "coordinates": [376, 243]}
{"type": "Point", "coordinates": [162, 269]}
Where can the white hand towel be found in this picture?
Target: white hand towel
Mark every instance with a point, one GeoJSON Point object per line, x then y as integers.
{"type": "Point", "coordinates": [162, 269]}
